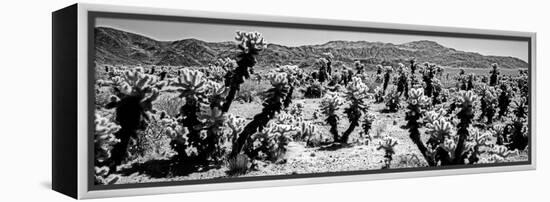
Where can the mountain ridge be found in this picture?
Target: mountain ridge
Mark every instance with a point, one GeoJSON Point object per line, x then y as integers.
{"type": "Point", "coordinates": [115, 46]}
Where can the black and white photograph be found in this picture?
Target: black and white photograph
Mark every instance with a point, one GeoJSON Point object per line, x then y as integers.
{"type": "Point", "coordinates": [190, 101]}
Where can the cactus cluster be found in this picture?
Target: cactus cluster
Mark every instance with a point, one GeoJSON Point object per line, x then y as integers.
{"type": "Point", "coordinates": [417, 102]}
{"type": "Point", "coordinates": [330, 104]}
{"type": "Point", "coordinates": [200, 133]}
{"type": "Point", "coordinates": [133, 94]}
{"type": "Point", "coordinates": [356, 94]}
{"type": "Point", "coordinates": [274, 103]}
{"type": "Point", "coordinates": [104, 139]}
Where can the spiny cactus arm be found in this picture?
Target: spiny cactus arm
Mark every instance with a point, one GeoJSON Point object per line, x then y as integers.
{"type": "Point", "coordinates": [272, 105]}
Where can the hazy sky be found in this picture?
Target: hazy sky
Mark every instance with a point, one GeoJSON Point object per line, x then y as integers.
{"type": "Point", "coordinates": [170, 31]}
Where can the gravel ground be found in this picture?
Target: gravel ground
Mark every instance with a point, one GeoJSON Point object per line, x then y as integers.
{"type": "Point", "coordinates": [361, 154]}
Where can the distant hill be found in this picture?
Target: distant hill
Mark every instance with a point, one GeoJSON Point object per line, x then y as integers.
{"type": "Point", "coordinates": [119, 47]}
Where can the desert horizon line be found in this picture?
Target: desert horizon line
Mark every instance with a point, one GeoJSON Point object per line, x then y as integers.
{"type": "Point", "coordinates": [311, 44]}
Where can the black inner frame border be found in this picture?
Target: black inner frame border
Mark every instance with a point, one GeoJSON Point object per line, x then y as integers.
{"type": "Point", "coordinates": [93, 15]}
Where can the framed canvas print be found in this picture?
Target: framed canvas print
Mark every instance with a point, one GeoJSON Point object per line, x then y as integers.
{"type": "Point", "coordinates": [149, 101]}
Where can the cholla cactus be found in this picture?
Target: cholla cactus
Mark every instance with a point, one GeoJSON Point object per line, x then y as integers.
{"type": "Point", "coordinates": [368, 120]}
{"type": "Point", "coordinates": [437, 91]}
{"type": "Point", "coordinates": [434, 115]}
{"type": "Point", "coordinates": [104, 138]}
{"type": "Point", "coordinates": [236, 124]}
{"type": "Point", "coordinates": [388, 145]}
{"type": "Point", "coordinates": [292, 72]}
{"type": "Point", "coordinates": [392, 100]}
{"type": "Point", "coordinates": [519, 138]}
{"type": "Point", "coordinates": [306, 131]}
{"type": "Point", "coordinates": [202, 119]}
{"type": "Point", "coordinates": [387, 77]}
{"type": "Point", "coordinates": [356, 93]}
{"type": "Point", "coordinates": [442, 141]}
{"type": "Point", "coordinates": [504, 100]}
{"type": "Point", "coordinates": [222, 69]}
{"type": "Point", "coordinates": [475, 143]}
{"type": "Point", "coordinates": [330, 103]}
{"type": "Point", "coordinates": [439, 130]}
{"type": "Point", "coordinates": [428, 75]}
{"type": "Point", "coordinates": [134, 92]}
{"type": "Point", "coordinates": [402, 81]}
{"type": "Point", "coordinates": [417, 98]}
{"type": "Point", "coordinates": [493, 81]}
{"type": "Point", "coordinates": [323, 69]}
{"type": "Point", "coordinates": [466, 101]}
{"type": "Point", "coordinates": [250, 43]}
{"type": "Point", "coordinates": [273, 104]}
{"type": "Point", "coordinates": [412, 60]}
{"type": "Point", "coordinates": [488, 103]}
{"type": "Point", "coordinates": [416, 102]}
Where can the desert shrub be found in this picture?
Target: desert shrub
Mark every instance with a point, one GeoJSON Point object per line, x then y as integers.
{"type": "Point", "coordinates": [134, 93]}
{"type": "Point", "coordinates": [270, 143]}
{"type": "Point", "coordinates": [330, 103]}
{"type": "Point", "coordinates": [238, 165]}
{"type": "Point", "coordinates": [152, 143]}
{"type": "Point", "coordinates": [314, 90]}
{"type": "Point", "coordinates": [169, 103]}
{"type": "Point", "coordinates": [246, 96]}
{"type": "Point", "coordinates": [388, 145]}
